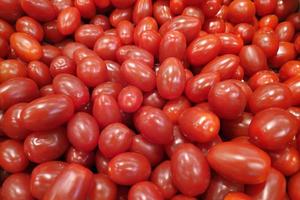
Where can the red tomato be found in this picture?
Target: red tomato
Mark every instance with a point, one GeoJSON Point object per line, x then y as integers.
{"type": "Point", "coordinates": [175, 107]}
{"type": "Point", "coordinates": [230, 43]}
{"type": "Point", "coordinates": [68, 20]}
{"type": "Point", "coordinates": [289, 69]}
{"type": "Point", "coordinates": [241, 11]}
{"type": "Point", "coordinates": [11, 68]}
{"type": "Point", "coordinates": [293, 185]}
{"type": "Point", "coordinates": [130, 99]}
{"type": "Point", "coordinates": [145, 189]}
{"type": "Point", "coordinates": [42, 10]}
{"type": "Point", "coordinates": [262, 78]}
{"type": "Point", "coordinates": [103, 188]}
{"type": "Point", "coordinates": [88, 34]}
{"type": "Point", "coordinates": [30, 26]}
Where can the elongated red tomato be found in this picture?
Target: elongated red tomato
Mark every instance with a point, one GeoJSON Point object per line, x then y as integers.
{"type": "Point", "coordinates": [190, 170]}
{"type": "Point", "coordinates": [170, 79]}
{"type": "Point", "coordinates": [47, 112]}
{"type": "Point", "coordinates": [73, 183]}
{"type": "Point", "coordinates": [252, 165]}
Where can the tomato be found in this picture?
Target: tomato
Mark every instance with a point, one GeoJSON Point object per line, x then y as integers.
{"type": "Point", "coordinates": [262, 78]}
{"type": "Point", "coordinates": [175, 107]}
{"type": "Point", "coordinates": [118, 15]}
{"type": "Point", "coordinates": [265, 7]}
{"type": "Point", "coordinates": [293, 185]}
{"type": "Point", "coordinates": [141, 9]}
{"type": "Point", "coordinates": [62, 64]}
{"type": "Point", "coordinates": [10, 10]}
{"type": "Point", "coordinates": [46, 90]}
{"type": "Point", "coordinates": [268, 21]}
{"type": "Point", "coordinates": [86, 8]}
{"type": "Point", "coordinates": [106, 110]}
{"type": "Point", "coordinates": [138, 74]}
{"type": "Point", "coordinates": [17, 90]}
{"type": "Point", "coordinates": [51, 32]}
{"type": "Point", "coordinates": [103, 188]}
{"type": "Point", "coordinates": [293, 84]}
{"type": "Point", "coordinates": [252, 165]}
{"type": "Point", "coordinates": [252, 59]}
{"type": "Point", "coordinates": [132, 52]}
{"type": "Point", "coordinates": [125, 31]}
{"type": "Point", "coordinates": [130, 99]}
{"type": "Point", "coordinates": [146, 24]}
{"type": "Point", "coordinates": [295, 19]}
{"type": "Point", "coordinates": [231, 93]}
{"type": "Point", "coordinates": [60, 5]}
{"type": "Point", "coordinates": [237, 196]}
{"type": "Point", "coordinates": [88, 34]}
{"type": "Point", "coordinates": [241, 11]}
{"type": "Point", "coordinates": [4, 47]}
{"type": "Point", "coordinates": [289, 69]}
{"type": "Point", "coordinates": [73, 183]}
{"type": "Point", "coordinates": [68, 48]}
{"type": "Point", "coordinates": [68, 20]}
{"type": "Point", "coordinates": [80, 157]}
{"type": "Point", "coordinates": [150, 41]}
{"type": "Point", "coordinates": [12, 156]}
{"type": "Point", "coordinates": [16, 186]}
{"type": "Point", "coordinates": [12, 122]}
{"type": "Point", "coordinates": [73, 87]}
{"type": "Point", "coordinates": [11, 68]}
{"type": "Point", "coordinates": [43, 176]}
{"type": "Point", "coordinates": [82, 53]}
{"type": "Point", "coordinates": [199, 125]}
{"type": "Point", "coordinates": [161, 11]}
{"type": "Point", "coordinates": [219, 187]}
{"type": "Point", "coordinates": [25, 46]}
{"type": "Point", "coordinates": [30, 26]}
{"type": "Point", "coordinates": [114, 139]}
{"type": "Point", "coordinates": [42, 10]}
{"type": "Point", "coordinates": [145, 189]}
{"type": "Point", "coordinates": [190, 170]}
{"type": "Point", "coordinates": [170, 78]}
{"type": "Point", "coordinates": [39, 72]}
{"type": "Point", "coordinates": [83, 132]}
{"type": "Point", "coordinates": [285, 31]}
{"type": "Point", "coordinates": [214, 25]}
{"type": "Point", "coordinates": [285, 53]}
{"type": "Point", "coordinates": [109, 88]}
{"type": "Point", "coordinates": [101, 163]}
{"type": "Point", "coordinates": [267, 40]}
{"type": "Point", "coordinates": [284, 8]}
{"type": "Point", "coordinates": [129, 168]}
{"type": "Point", "coordinates": [230, 43]}
{"type": "Point", "coordinates": [154, 125]}
{"type": "Point", "coordinates": [5, 28]}
{"type": "Point", "coordinates": [245, 31]}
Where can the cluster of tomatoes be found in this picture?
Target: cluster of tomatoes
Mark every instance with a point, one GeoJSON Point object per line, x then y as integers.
{"type": "Point", "coordinates": [149, 99]}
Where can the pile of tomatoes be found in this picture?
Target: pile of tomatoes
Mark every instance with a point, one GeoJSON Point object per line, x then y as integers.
{"type": "Point", "coordinates": [149, 99]}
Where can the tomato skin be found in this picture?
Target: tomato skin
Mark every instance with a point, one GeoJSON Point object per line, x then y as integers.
{"type": "Point", "coordinates": [262, 78]}
{"type": "Point", "coordinates": [150, 40]}
{"type": "Point", "coordinates": [88, 34]}
{"type": "Point", "coordinates": [154, 125]}
{"type": "Point", "coordinates": [17, 90]}
{"type": "Point", "coordinates": [285, 31]}
{"type": "Point", "coordinates": [252, 59]}
{"type": "Point", "coordinates": [175, 107]}
{"type": "Point", "coordinates": [284, 8]}
{"type": "Point", "coordinates": [103, 188]}
{"type": "Point", "coordinates": [83, 132]}
{"type": "Point", "coordinates": [199, 125]}
{"type": "Point", "coordinates": [39, 72]}
{"type": "Point", "coordinates": [273, 188]}
{"type": "Point", "coordinates": [41, 10]}
{"type": "Point", "coordinates": [30, 26]}
{"type": "Point", "coordinates": [245, 31]}
{"type": "Point", "coordinates": [43, 176]}
{"type": "Point", "coordinates": [16, 186]}
{"type": "Point", "coordinates": [219, 187]}
{"type": "Point", "coordinates": [10, 10]}
{"type": "Point", "coordinates": [237, 195]}
{"type": "Point", "coordinates": [73, 183]}
{"type": "Point", "coordinates": [293, 185]}
{"type": "Point", "coordinates": [267, 40]}
{"type": "Point", "coordinates": [141, 9]}
{"type": "Point", "coordinates": [190, 170]}
{"type": "Point", "coordinates": [146, 24]}
{"type": "Point", "coordinates": [252, 169]}
{"type": "Point", "coordinates": [25, 46]}
{"type": "Point", "coordinates": [38, 115]}
{"type": "Point", "coordinates": [170, 79]}
{"type": "Point", "coordinates": [285, 53]}
{"type": "Point", "coordinates": [62, 64]}
{"type": "Point", "coordinates": [129, 168]}
{"type": "Point", "coordinates": [12, 123]}
{"type": "Point", "coordinates": [106, 110]}
{"type": "Point", "coordinates": [187, 25]}
{"type": "Point", "coordinates": [86, 8]}
{"type": "Point", "coordinates": [118, 15]}
{"type": "Point", "coordinates": [73, 87]}
{"type": "Point", "coordinates": [289, 69]}
{"type": "Point", "coordinates": [114, 139]}
{"type": "Point", "coordinates": [268, 21]}
{"type": "Point", "coordinates": [125, 31]}
{"type": "Point", "coordinates": [161, 11]}
{"type": "Point", "coordinates": [265, 7]}
{"type": "Point", "coordinates": [106, 47]}
{"type": "Point", "coordinates": [229, 92]}
{"type": "Point", "coordinates": [76, 156]}
{"type": "Point", "coordinates": [273, 129]}
{"type": "Point", "coordinates": [293, 84]}
{"type": "Point", "coordinates": [203, 49]}
{"type": "Point", "coordinates": [182, 197]}
{"type": "Point", "coordinates": [68, 20]}
{"type": "Point", "coordinates": [145, 189]}
{"type": "Point", "coordinates": [109, 88]}
{"type": "Point", "coordinates": [51, 32]}
{"type": "Point", "coordinates": [138, 74]}
{"type": "Point", "coordinates": [230, 43]}
{"type": "Point", "coordinates": [241, 11]}
{"type": "Point", "coordinates": [12, 157]}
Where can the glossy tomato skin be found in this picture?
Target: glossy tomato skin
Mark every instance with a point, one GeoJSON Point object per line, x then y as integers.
{"type": "Point", "coordinates": [252, 169]}
{"type": "Point", "coordinates": [83, 131]}
{"type": "Point", "coordinates": [17, 90]}
{"type": "Point", "coordinates": [199, 125]}
{"type": "Point", "coordinates": [141, 9]}
{"type": "Point", "coordinates": [88, 34]}
{"type": "Point", "coordinates": [270, 95]}
{"type": "Point", "coordinates": [289, 69]}
{"type": "Point", "coordinates": [261, 78]}
{"type": "Point", "coordinates": [241, 11]}
{"type": "Point", "coordinates": [268, 21]}
{"type": "Point", "coordinates": [43, 176]}
{"type": "Point", "coordinates": [109, 88]}
{"type": "Point", "coordinates": [161, 11]}
{"type": "Point", "coordinates": [129, 168]}
{"type": "Point", "coordinates": [150, 41]}
{"type": "Point", "coordinates": [68, 20]}
{"type": "Point", "coordinates": [145, 189]}
{"type": "Point", "coordinates": [39, 72]}
{"type": "Point", "coordinates": [12, 157]}
{"type": "Point", "coordinates": [293, 185]}
{"type": "Point", "coordinates": [170, 79]}
{"type": "Point", "coordinates": [146, 24]}
{"type": "Point", "coordinates": [10, 10]}
{"type": "Point", "coordinates": [203, 49]}
{"type": "Point", "coordinates": [219, 187]}
{"type": "Point", "coordinates": [16, 186]}
{"type": "Point", "coordinates": [39, 114]}
{"type": "Point", "coordinates": [86, 8]}
{"type": "Point", "coordinates": [51, 32]}
{"type": "Point", "coordinates": [175, 107]}
{"type": "Point", "coordinates": [154, 125]}
{"type": "Point", "coordinates": [130, 99]}
{"type": "Point", "coordinates": [285, 53]}
{"type": "Point", "coordinates": [114, 139]}
{"type": "Point", "coordinates": [73, 183]}
{"type": "Point", "coordinates": [229, 92]}
{"type": "Point", "coordinates": [12, 123]}
{"type": "Point", "coordinates": [273, 188]}
{"type": "Point", "coordinates": [285, 31]}
{"type": "Point", "coordinates": [73, 87]}
{"type": "Point", "coordinates": [293, 85]}
{"type": "Point", "coordinates": [273, 129]}
{"type": "Point", "coordinates": [245, 31]}
{"type": "Point", "coordinates": [41, 10]}
{"type": "Point", "coordinates": [190, 170]}
{"type": "Point", "coordinates": [230, 43]}
{"type": "Point", "coordinates": [30, 26]}
{"type": "Point", "coordinates": [103, 188]}
{"type": "Point", "coordinates": [106, 110]}
{"type": "Point", "coordinates": [106, 47]}
{"type": "Point", "coordinates": [11, 68]}
{"type": "Point", "coordinates": [162, 177]}
{"type": "Point", "coordinates": [25, 46]}
{"type": "Point", "coordinates": [118, 15]}
{"type": "Point", "coordinates": [80, 157]}
{"type": "Point", "coordinates": [267, 40]}
{"type": "Point", "coordinates": [265, 7]}
{"type": "Point", "coordinates": [237, 195]}
{"type": "Point", "coordinates": [46, 146]}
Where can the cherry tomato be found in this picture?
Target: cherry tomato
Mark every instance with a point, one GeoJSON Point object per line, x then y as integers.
{"type": "Point", "coordinates": [103, 188]}
{"type": "Point", "coordinates": [109, 88]}
{"type": "Point", "coordinates": [130, 99]}
{"type": "Point", "coordinates": [145, 189]}
{"type": "Point", "coordinates": [293, 185]}
{"type": "Point", "coordinates": [80, 157]}
{"type": "Point", "coordinates": [106, 47]}
{"type": "Point", "coordinates": [150, 41]}
{"type": "Point", "coordinates": [62, 64]}
{"type": "Point", "coordinates": [237, 196]}
{"type": "Point", "coordinates": [86, 8]}
{"type": "Point", "coordinates": [88, 34]}
{"type": "Point", "coordinates": [141, 9]}
{"type": "Point", "coordinates": [285, 31]}
{"type": "Point", "coordinates": [293, 84]}
{"type": "Point", "coordinates": [289, 69]}
{"type": "Point", "coordinates": [125, 31]}
{"type": "Point", "coordinates": [118, 15]}
{"type": "Point", "coordinates": [39, 72]}
{"type": "Point", "coordinates": [267, 40]}
{"type": "Point", "coordinates": [268, 21]}
{"type": "Point", "coordinates": [230, 43]}
{"type": "Point", "coordinates": [127, 52]}
{"type": "Point", "coordinates": [285, 53]}
{"type": "Point", "coordinates": [265, 7]}
{"type": "Point", "coordinates": [68, 20]}
{"type": "Point", "coordinates": [261, 78]}
{"type": "Point", "coordinates": [11, 68]}
{"type": "Point", "coordinates": [241, 11]}
{"type": "Point", "coordinates": [161, 11]}
{"type": "Point", "coordinates": [245, 31]}
{"type": "Point", "coordinates": [30, 26]}
{"type": "Point", "coordinates": [175, 107]}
